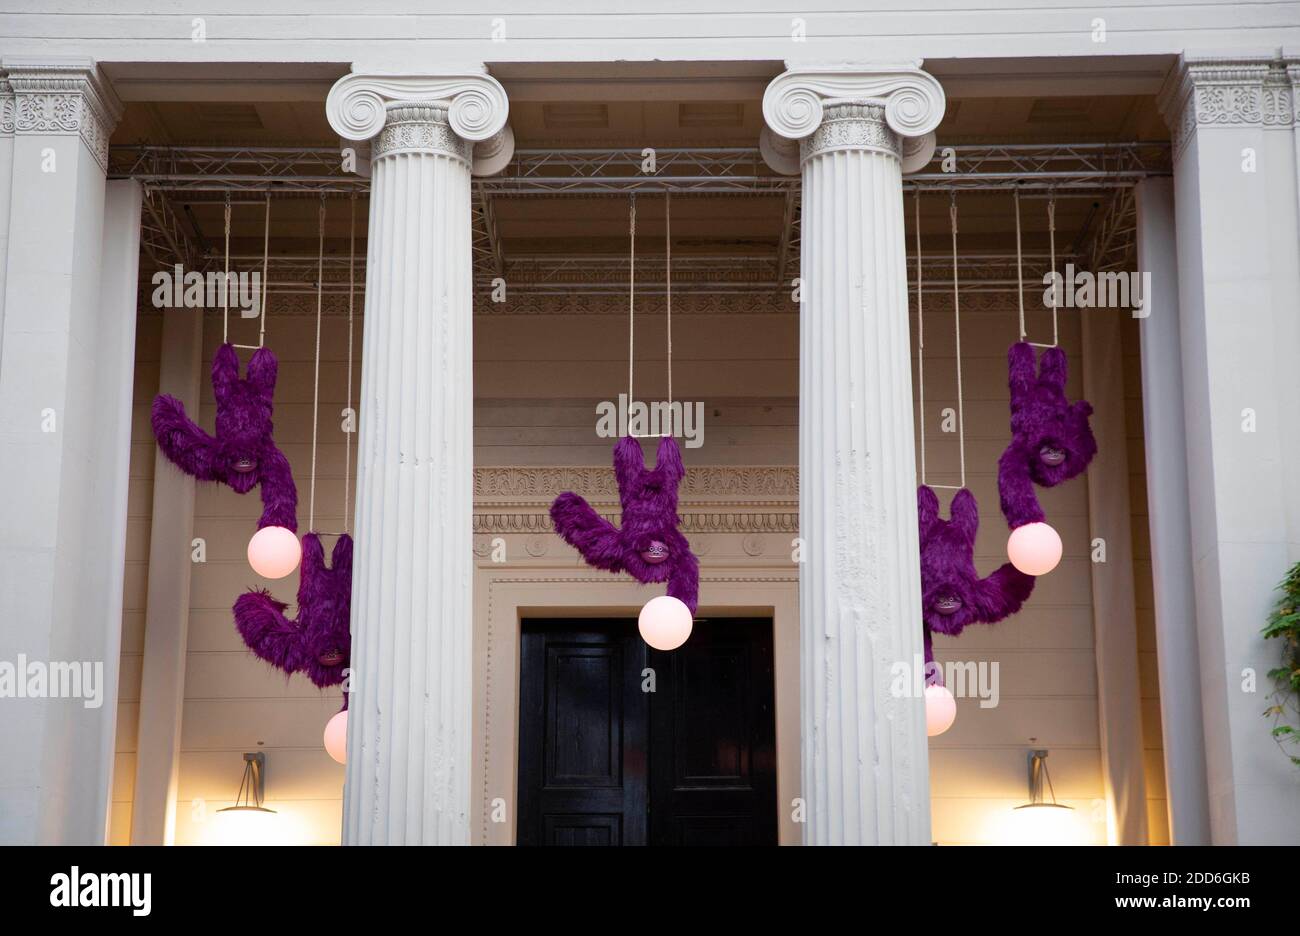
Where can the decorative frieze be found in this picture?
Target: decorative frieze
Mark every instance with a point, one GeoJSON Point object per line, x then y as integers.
{"type": "Point", "coordinates": [1225, 93]}
{"type": "Point", "coordinates": [59, 99]}
{"type": "Point", "coordinates": [708, 484]}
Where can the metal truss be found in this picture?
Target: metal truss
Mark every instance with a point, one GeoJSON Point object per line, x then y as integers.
{"type": "Point", "coordinates": [314, 169]}
{"type": "Point", "coordinates": [197, 173]}
{"type": "Point", "coordinates": [1114, 245]}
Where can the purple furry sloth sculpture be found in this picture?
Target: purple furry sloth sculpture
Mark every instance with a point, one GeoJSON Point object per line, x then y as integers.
{"type": "Point", "coordinates": [318, 641]}
{"type": "Point", "coordinates": [952, 592]}
{"type": "Point", "coordinates": [242, 454]}
{"type": "Point", "coordinates": [649, 546]}
{"type": "Point", "coordinates": [1051, 440]}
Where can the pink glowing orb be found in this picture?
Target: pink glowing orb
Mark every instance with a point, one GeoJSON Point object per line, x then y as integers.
{"type": "Point", "coordinates": [665, 622]}
{"type": "Point", "coordinates": [274, 552]}
{"type": "Point", "coordinates": [336, 737]}
{"type": "Point", "coordinates": [1034, 549]}
{"type": "Point", "coordinates": [940, 710]}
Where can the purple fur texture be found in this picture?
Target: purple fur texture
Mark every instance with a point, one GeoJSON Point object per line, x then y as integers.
{"type": "Point", "coordinates": [649, 500]}
{"type": "Point", "coordinates": [1051, 440]}
{"type": "Point", "coordinates": [243, 454]}
{"type": "Point", "coordinates": [952, 592]}
{"type": "Point", "coordinates": [318, 642]}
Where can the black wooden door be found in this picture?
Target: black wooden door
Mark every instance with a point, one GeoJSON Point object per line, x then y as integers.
{"type": "Point", "coordinates": [582, 734]}
{"type": "Point", "coordinates": [713, 738]}
{"type": "Point", "coordinates": [623, 745]}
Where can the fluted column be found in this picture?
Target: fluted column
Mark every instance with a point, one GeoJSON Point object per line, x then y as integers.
{"type": "Point", "coordinates": [408, 770]}
{"type": "Point", "coordinates": [865, 762]}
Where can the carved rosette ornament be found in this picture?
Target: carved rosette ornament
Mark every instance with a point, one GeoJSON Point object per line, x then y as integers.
{"type": "Point", "coordinates": [59, 99]}
{"type": "Point", "coordinates": [462, 115]}
{"type": "Point", "coordinates": [892, 109]}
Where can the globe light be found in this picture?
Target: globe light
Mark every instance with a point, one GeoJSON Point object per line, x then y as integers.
{"type": "Point", "coordinates": [1042, 821]}
{"type": "Point", "coordinates": [336, 737]}
{"type": "Point", "coordinates": [1034, 549]}
{"type": "Point", "coordinates": [274, 552]}
{"type": "Point", "coordinates": [248, 822]}
{"type": "Point", "coordinates": [665, 622]}
{"type": "Point", "coordinates": [1042, 824]}
{"type": "Point", "coordinates": [940, 710]}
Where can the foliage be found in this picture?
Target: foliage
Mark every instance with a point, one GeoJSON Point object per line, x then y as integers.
{"type": "Point", "coordinates": [1284, 624]}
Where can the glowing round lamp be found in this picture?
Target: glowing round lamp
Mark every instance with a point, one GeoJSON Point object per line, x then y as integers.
{"type": "Point", "coordinates": [248, 822]}
{"type": "Point", "coordinates": [665, 622]}
{"type": "Point", "coordinates": [336, 737]}
{"type": "Point", "coordinates": [1042, 824]}
{"type": "Point", "coordinates": [247, 825]}
{"type": "Point", "coordinates": [1042, 821]}
{"type": "Point", "coordinates": [940, 710]}
{"type": "Point", "coordinates": [274, 552]}
{"type": "Point", "coordinates": [1034, 549]}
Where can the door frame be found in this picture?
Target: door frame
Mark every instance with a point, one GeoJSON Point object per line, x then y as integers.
{"type": "Point", "coordinates": [503, 597]}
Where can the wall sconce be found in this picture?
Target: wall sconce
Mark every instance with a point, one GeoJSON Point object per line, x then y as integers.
{"type": "Point", "coordinates": [248, 822]}
{"type": "Point", "coordinates": [1040, 822]}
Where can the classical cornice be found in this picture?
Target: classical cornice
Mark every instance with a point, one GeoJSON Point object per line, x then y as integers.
{"type": "Point", "coordinates": [59, 97]}
{"type": "Point", "coordinates": [1221, 92]}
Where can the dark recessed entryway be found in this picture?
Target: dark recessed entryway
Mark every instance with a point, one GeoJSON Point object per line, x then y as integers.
{"type": "Point", "coordinates": [605, 761]}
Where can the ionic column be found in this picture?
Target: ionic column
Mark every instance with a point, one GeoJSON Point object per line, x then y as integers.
{"type": "Point", "coordinates": [408, 770]}
{"type": "Point", "coordinates": [865, 762]}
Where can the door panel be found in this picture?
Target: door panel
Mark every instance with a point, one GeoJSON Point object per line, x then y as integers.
{"type": "Point", "coordinates": [603, 763]}
{"type": "Point", "coordinates": [582, 735]}
{"type": "Point", "coordinates": [713, 725]}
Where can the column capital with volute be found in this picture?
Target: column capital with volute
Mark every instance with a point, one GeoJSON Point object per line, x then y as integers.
{"type": "Point", "coordinates": [889, 108]}
{"type": "Point", "coordinates": [461, 112]}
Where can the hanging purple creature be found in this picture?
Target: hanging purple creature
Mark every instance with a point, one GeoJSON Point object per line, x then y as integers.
{"type": "Point", "coordinates": [243, 454]}
{"type": "Point", "coordinates": [952, 592]}
{"type": "Point", "coordinates": [318, 642]}
{"type": "Point", "coordinates": [1051, 440]}
{"type": "Point", "coordinates": [649, 546]}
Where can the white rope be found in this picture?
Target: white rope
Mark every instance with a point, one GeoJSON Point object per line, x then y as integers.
{"type": "Point", "coordinates": [225, 281]}
{"type": "Point", "coordinates": [631, 295]}
{"type": "Point", "coordinates": [347, 436]}
{"type": "Point", "coordinates": [266, 271]}
{"type": "Point", "coordinates": [668, 280]}
{"type": "Point", "coordinates": [1051, 229]}
{"type": "Point", "coordinates": [315, 395]}
{"type": "Point", "coordinates": [920, 333]}
{"type": "Point", "coordinates": [1020, 282]}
